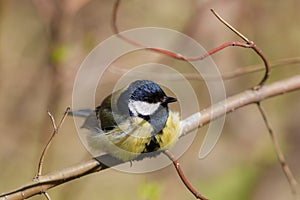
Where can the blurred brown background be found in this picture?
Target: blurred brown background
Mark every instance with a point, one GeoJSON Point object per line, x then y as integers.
{"type": "Point", "coordinates": [42, 44]}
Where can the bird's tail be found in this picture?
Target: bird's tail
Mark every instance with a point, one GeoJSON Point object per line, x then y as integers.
{"type": "Point", "coordinates": [90, 121]}
{"type": "Point", "coordinates": [81, 113]}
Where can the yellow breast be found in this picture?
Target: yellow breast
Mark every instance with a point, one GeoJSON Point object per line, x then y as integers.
{"type": "Point", "coordinates": [129, 140]}
{"type": "Point", "coordinates": [170, 132]}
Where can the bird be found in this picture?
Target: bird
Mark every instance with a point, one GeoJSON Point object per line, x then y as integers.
{"type": "Point", "coordinates": [133, 122]}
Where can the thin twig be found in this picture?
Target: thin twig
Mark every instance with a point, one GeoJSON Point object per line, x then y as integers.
{"type": "Point", "coordinates": [47, 195]}
{"type": "Point", "coordinates": [241, 71]}
{"type": "Point", "coordinates": [55, 131]}
{"type": "Point", "coordinates": [116, 29]}
{"type": "Point", "coordinates": [182, 176]}
{"type": "Point", "coordinates": [164, 51]}
{"type": "Point", "coordinates": [285, 167]}
{"type": "Point", "coordinates": [259, 67]}
{"type": "Point", "coordinates": [229, 26]}
{"type": "Point", "coordinates": [251, 45]}
{"type": "Point", "coordinates": [248, 44]}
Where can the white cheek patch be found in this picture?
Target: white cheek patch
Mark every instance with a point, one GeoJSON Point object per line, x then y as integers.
{"type": "Point", "coordinates": [142, 108]}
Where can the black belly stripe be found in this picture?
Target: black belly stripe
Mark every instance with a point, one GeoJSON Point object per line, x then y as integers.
{"type": "Point", "coordinates": [153, 145]}
{"type": "Point", "coordinates": [145, 117]}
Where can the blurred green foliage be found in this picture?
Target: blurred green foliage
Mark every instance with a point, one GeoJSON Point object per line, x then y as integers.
{"type": "Point", "coordinates": [235, 184]}
{"type": "Point", "coordinates": [147, 191]}
{"type": "Point", "coordinates": [59, 54]}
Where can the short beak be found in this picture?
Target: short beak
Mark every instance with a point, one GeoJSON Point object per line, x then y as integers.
{"type": "Point", "coordinates": [169, 100]}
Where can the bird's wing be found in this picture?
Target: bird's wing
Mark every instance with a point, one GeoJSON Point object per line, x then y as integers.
{"type": "Point", "coordinates": [132, 135]}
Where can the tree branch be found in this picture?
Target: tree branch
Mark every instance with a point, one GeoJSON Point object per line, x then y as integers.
{"type": "Point", "coordinates": [281, 158]}
{"type": "Point", "coordinates": [196, 120]}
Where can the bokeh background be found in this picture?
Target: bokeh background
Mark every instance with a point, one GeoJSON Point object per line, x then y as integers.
{"type": "Point", "coordinates": [43, 43]}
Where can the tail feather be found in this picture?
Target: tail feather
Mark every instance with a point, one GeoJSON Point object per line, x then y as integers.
{"type": "Point", "coordinates": [90, 121]}
{"type": "Point", "coordinates": [81, 113]}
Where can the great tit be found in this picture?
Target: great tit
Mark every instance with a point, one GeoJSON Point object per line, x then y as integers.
{"type": "Point", "coordinates": [132, 122]}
